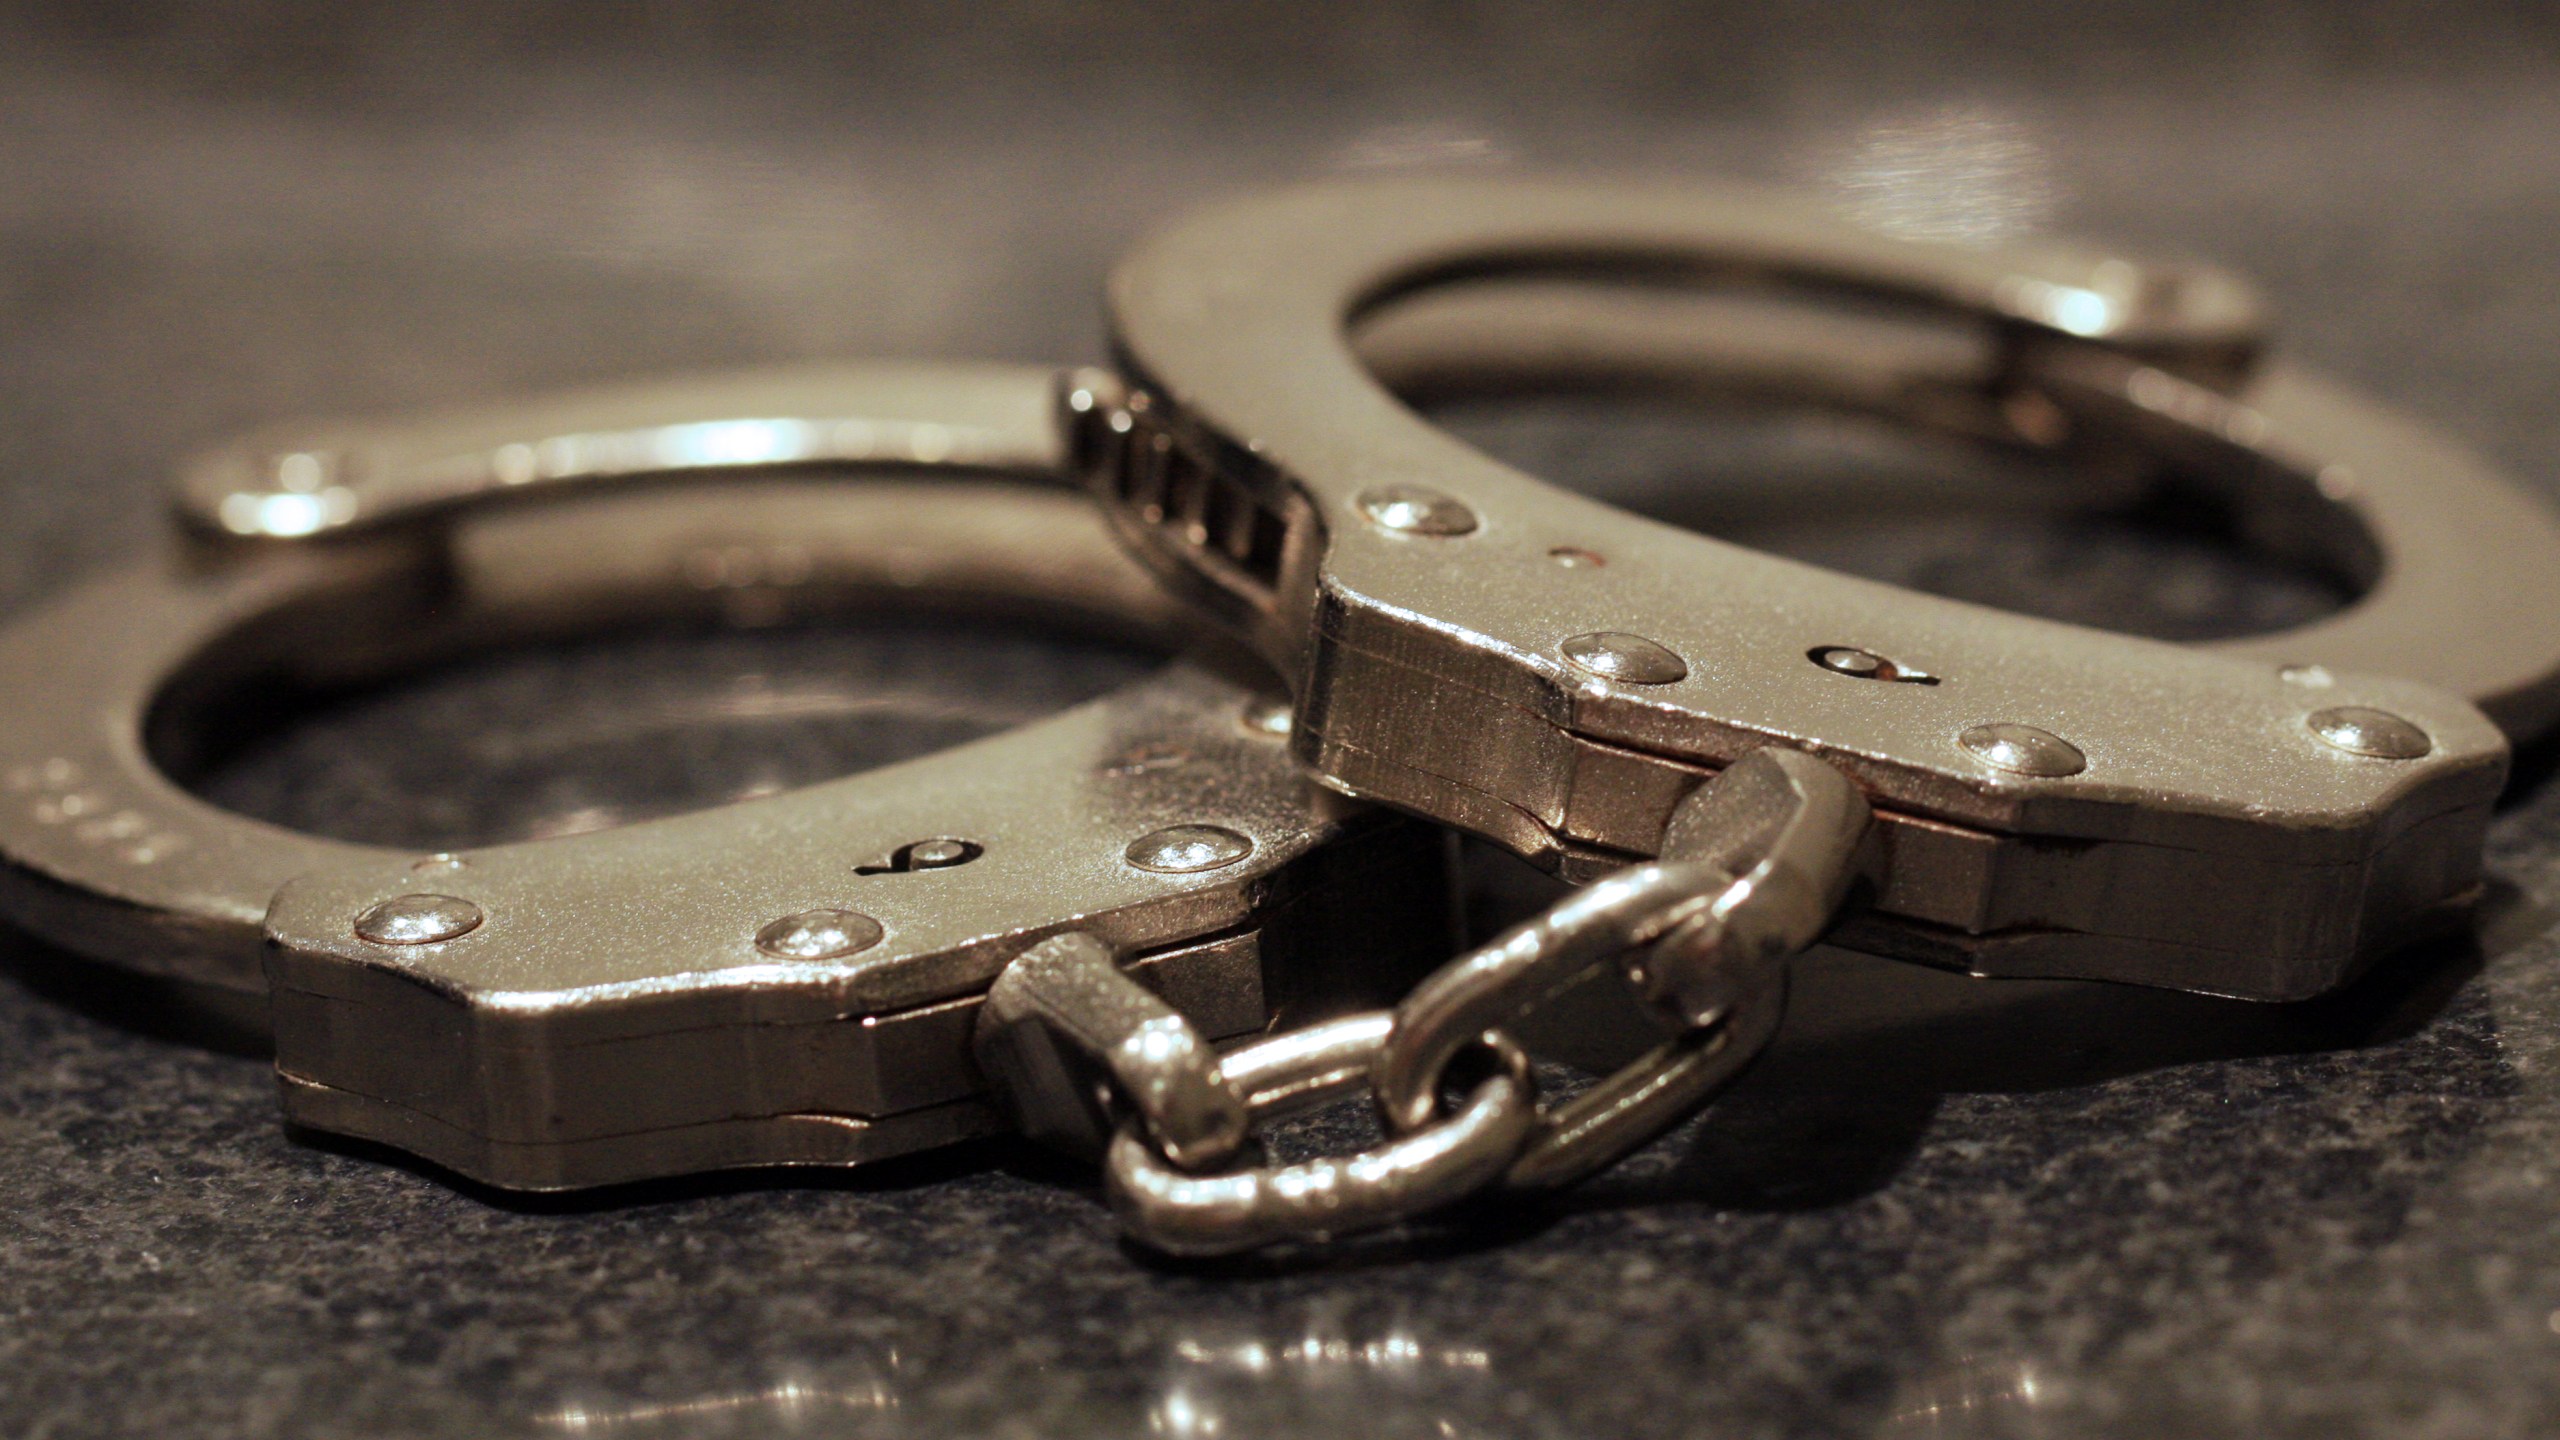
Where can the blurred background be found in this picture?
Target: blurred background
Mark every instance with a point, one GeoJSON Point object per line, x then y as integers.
{"type": "Point", "coordinates": [2100, 1215]}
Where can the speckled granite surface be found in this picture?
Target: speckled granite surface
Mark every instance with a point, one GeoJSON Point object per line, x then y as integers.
{"type": "Point", "coordinates": [2052, 1212]}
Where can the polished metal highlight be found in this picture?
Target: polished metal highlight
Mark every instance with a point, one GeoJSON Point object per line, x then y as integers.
{"type": "Point", "coordinates": [1755, 867]}
{"type": "Point", "coordinates": [2023, 750]}
{"type": "Point", "coordinates": [418, 920]}
{"type": "Point", "coordinates": [1188, 849]}
{"type": "Point", "coordinates": [1065, 1029]}
{"type": "Point", "coordinates": [820, 935]}
{"type": "Point", "coordinates": [1184, 1213]}
{"type": "Point", "coordinates": [787, 980]}
{"type": "Point", "coordinates": [2363, 730]}
{"type": "Point", "coordinates": [1758, 862]}
{"type": "Point", "coordinates": [2208, 839]}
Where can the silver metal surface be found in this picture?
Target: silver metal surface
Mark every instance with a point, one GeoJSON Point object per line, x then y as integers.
{"type": "Point", "coordinates": [2361, 730]}
{"type": "Point", "coordinates": [1416, 510]}
{"type": "Point", "coordinates": [820, 935]}
{"type": "Point", "coordinates": [1756, 865]}
{"type": "Point", "coordinates": [1183, 1213]}
{"type": "Point", "coordinates": [303, 479]}
{"type": "Point", "coordinates": [2022, 750]}
{"type": "Point", "coordinates": [2209, 842]}
{"type": "Point", "coordinates": [1627, 659]}
{"type": "Point", "coordinates": [418, 920]}
{"type": "Point", "coordinates": [1767, 853]}
{"type": "Point", "coordinates": [744, 985]}
{"type": "Point", "coordinates": [1065, 1030]}
{"type": "Point", "coordinates": [1188, 849]}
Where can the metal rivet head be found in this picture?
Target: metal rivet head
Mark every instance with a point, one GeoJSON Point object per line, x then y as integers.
{"type": "Point", "coordinates": [819, 935]}
{"type": "Point", "coordinates": [1415, 510]}
{"type": "Point", "coordinates": [2361, 730]}
{"type": "Point", "coordinates": [1629, 659]}
{"type": "Point", "coordinates": [940, 854]}
{"type": "Point", "coordinates": [1188, 849]}
{"type": "Point", "coordinates": [1267, 717]}
{"type": "Point", "coordinates": [418, 920]}
{"type": "Point", "coordinates": [2023, 750]}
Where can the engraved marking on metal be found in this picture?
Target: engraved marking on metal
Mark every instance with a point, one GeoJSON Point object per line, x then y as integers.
{"type": "Point", "coordinates": [616, 1020]}
{"type": "Point", "coordinates": [937, 854]}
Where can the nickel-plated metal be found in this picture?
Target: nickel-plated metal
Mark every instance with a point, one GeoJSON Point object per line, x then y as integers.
{"type": "Point", "coordinates": [2022, 750]}
{"type": "Point", "coordinates": [306, 478]}
{"type": "Point", "coordinates": [1764, 856]}
{"type": "Point", "coordinates": [738, 986]}
{"type": "Point", "coordinates": [1188, 849]}
{"type": "Point", "coordinates": [1756, 865]}
{"type": "Point", "coordinates": [1416, 510]}
{"type": "Point", "coordinates": [2209, 840]}
{"type": "Point", "coordinates": [1070, 1040]}
{"type": "Point", "coordinates": [829, 934]}
{"type": "Point", "coordinates": [1186, 1213]}
{"type": "Point", "coordinates": [2362, 730]}
{"type": "Point", "coordinates": [418, 920]}
{"type": "Point", "coordinates": [1627, 659]}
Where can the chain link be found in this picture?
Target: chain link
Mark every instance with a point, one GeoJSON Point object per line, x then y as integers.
{"type": "Point", "coordinates": [1755, 864]}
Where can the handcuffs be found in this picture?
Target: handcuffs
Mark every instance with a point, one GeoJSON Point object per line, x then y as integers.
{"type": "Point", "coordinates": [708, 990]}
{"type": "Point", "coordinates": [1051, 929]}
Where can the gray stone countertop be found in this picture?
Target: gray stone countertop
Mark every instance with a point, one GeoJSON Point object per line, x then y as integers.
{"type": "Point", "coordinates": [2057, 1211]}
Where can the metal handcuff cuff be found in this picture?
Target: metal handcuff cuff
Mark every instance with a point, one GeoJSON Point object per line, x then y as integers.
{"type": "Point", "coordinates": [786, 980]}
{"type": "Point", "coordinates": [1726, 743]}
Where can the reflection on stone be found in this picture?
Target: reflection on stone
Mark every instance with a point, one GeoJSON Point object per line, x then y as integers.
{"type": "Point", "coordinates": [790, 1401]}
{"type": "Point", "coordinates": [1968, 1397]}
{"type": "Point", "coordinates": [1330, 1378]}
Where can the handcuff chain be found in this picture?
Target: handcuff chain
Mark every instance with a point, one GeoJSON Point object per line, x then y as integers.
{"type": "Point", "coordinates": [1755, 865]}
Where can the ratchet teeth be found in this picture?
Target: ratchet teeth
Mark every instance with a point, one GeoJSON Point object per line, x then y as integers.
{"type": "Point", "coordinates": [1153, 477]}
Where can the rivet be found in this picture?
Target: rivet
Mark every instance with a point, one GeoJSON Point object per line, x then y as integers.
{"type": "Point", "coordinates": [2362, 730]}
{"type": "Point", "coordinates": [1629, 659]}
{"type": "Point", "coordinates": [1188, 849]}
{"type": "Point", "coordinates": [940, 854]}
{"type": "Point", "coordinates": [819, 935]}
{"type": "Point", "coordinates": [2023, 750]}
{"type": "Point", "coordinates": [1860, 664]}
{"type": "Point", "coordinates": [1415, 510]}
{"type": "Point", "coordinates": [418, 920]}
{"type": "Point", "coordinates": [1267, 717]}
